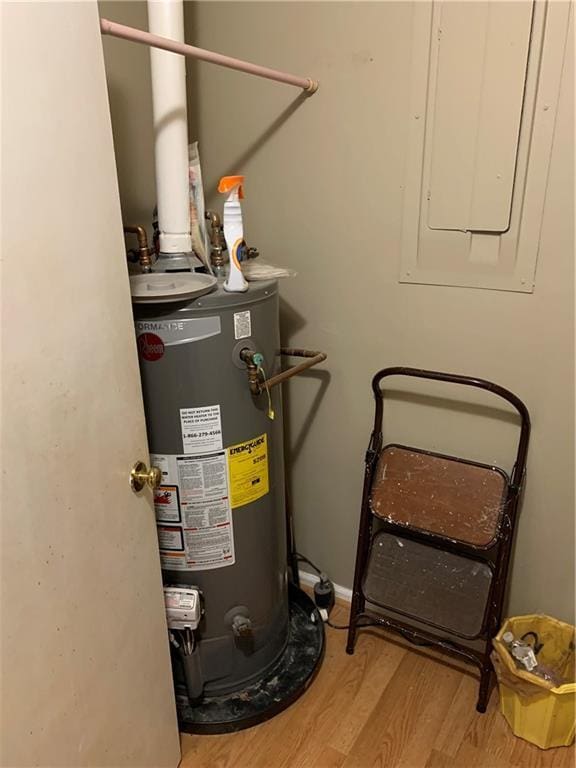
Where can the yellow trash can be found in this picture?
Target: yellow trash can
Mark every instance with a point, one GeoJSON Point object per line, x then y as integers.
{"type": "Point", "coordinates": [538, 710]}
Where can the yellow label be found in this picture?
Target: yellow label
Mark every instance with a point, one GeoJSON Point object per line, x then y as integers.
{"type": "Point", "coordinates": [248, 470]}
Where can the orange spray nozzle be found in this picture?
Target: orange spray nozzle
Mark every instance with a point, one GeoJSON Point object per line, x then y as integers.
{"type": "Point", "coordinates": [227, 184]}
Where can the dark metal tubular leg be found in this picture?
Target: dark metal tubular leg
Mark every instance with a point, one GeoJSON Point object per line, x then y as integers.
{"type": "Point", "coordinates": [351, 641]}
{"type": "Point", "coordinates": [485, 687]}
{"type": "Point", "coordinates": [365, 527]}
{"type": "Point", "coordinates": [496, 602]}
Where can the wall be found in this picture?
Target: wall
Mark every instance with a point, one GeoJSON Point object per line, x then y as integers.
{"type": "Point", "coordinates": [130, 96]}
{"type": "Point", "coordinates": [324, 196]}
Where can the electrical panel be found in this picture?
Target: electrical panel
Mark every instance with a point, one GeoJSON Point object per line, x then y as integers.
{"type": "Point", "coordinates": [484, 92]}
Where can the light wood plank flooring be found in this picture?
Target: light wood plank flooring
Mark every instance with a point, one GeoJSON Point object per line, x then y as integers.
{"type": "Point", "coordinates": [388, 706]}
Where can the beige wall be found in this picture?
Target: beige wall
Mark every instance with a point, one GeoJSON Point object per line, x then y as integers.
{"type": "Point", "coordinates": [324, 196]}
{"type": "Point", "coordinates": [130, 96]}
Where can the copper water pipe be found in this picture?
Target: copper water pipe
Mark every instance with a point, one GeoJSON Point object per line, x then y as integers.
{"type": "Point", "coordinates": [143, 249]}
{"type": "Point", "coordinates": [257, 386]}
{"type": "Point", "coordinates": [312, 358]}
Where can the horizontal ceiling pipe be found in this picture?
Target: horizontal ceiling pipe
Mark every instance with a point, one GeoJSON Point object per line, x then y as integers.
{"type": "Point", "coordinates": [146, 38]}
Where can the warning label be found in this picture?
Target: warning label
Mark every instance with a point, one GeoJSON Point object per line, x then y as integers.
{"type": "Point", "coordinates": [166, 504]}
{"type": "Point", "coordinates": [248, 471]}
{"type": "Point", "coordinates": [201, 429]}
{"type": "Point", "coordinates": [170, 537]}
{"type": "Point", "coordinates": [173, 561]}
{"type": "Point", "coordinates": [242, 325]}
{"type": "Point", "coordinates": [198, 494]}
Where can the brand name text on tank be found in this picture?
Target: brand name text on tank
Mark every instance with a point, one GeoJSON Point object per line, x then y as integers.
{"type": "Point", "coordinates": [164, 326]}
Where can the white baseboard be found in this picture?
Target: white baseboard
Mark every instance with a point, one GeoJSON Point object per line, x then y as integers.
{"type": "Point", "coordinates": [342, 593]}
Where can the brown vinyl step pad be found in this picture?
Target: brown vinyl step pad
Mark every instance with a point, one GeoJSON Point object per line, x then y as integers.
{"type": "Point", "coordinates": [446, 496]}
{"type": "Point", "coordinates": [439, 588]}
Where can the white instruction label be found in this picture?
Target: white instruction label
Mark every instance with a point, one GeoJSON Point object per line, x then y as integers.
{"type": "Point", "coordinates": [163, 464]}
{"type": "Point", "coordinates": [170, 537]}
{"type": "Point", "coordinates": [173, 561]}
{"type": "Point", "coordinates": [242, 325]}
{"type": "Point", "coordinates": [201, 491]}
{"type": "Point", "coordinates": [177, 599]}
{"type": "Point", "coordinates": [201, 429]}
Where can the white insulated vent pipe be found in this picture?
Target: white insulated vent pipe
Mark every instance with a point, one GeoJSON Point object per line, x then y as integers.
{"type": "Point", "coordinates": [166, 18]}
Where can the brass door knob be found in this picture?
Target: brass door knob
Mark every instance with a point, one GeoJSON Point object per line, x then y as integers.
{"type": "Point", "coordinates": [140, 476]}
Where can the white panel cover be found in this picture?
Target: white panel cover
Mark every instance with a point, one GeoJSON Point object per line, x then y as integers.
{"type": "Point", "coordinates": [479, 89]}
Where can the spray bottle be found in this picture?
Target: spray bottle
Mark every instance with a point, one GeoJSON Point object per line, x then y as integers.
{"type": "Point", "coordinates": [233, 230]}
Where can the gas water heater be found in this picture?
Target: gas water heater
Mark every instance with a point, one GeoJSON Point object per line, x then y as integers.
{"type": "Point", "coordinates": [245, 642]}
{"type": "Point", "coordinates": [220, 508]}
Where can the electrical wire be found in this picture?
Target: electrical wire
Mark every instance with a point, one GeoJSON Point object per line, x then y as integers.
{"type": "Point", "coordinates": [322, 575]}
{"type": "Point", "coordinates": [310, 563]}
{"type": "Point", "coordinates": [347, 626]}
{"type": "Point", "coordinates": [337, 626]}
{"type": "Point", "coordinates": [405, 635]}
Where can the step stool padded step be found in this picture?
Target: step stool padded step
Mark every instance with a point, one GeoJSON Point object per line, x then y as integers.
{"type": "Point", "coordinates": [443, 495]}
{"type": "Point", "coordinates": [437, 587]}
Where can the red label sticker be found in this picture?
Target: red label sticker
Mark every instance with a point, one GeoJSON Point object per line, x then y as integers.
{"type": "Point", "coordinates": [150, 346]}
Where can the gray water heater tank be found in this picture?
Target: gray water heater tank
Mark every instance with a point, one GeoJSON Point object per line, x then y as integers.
{"type": "Point", "coordinates": [220, 509]}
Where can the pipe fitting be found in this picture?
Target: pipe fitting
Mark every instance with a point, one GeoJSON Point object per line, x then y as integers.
{"type": "Point", "coordinates": [242, 627]}
{"type": "Point", "coordinates": [217, 241]}
{"type": "Point", "coordinates": [253, 360]}
{"type": "Point", "coordinates": [312, 87]}
{"type": "Point", "coordinates": [143, 250]}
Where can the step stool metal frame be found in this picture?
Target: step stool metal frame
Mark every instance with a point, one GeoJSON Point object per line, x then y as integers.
{"type": "Point", "coordinates": [496, 554]}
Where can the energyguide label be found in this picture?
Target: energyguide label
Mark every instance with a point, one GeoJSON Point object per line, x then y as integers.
{"type": "Point", "coordinates": [248, 469]}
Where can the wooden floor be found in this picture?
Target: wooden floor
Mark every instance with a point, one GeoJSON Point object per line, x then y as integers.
{"type": "Point", "coordinates": [388, 706]}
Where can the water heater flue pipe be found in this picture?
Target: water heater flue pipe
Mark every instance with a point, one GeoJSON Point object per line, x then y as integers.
{"type": "Point", "coordinates": [166, 17]}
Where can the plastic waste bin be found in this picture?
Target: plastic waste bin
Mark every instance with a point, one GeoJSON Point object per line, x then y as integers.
{"type": "Point", "coordinates": [539, 705]}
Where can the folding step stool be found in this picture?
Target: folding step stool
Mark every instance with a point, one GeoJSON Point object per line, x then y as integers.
{"type": "Point", "coordinates": [435, 539]}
